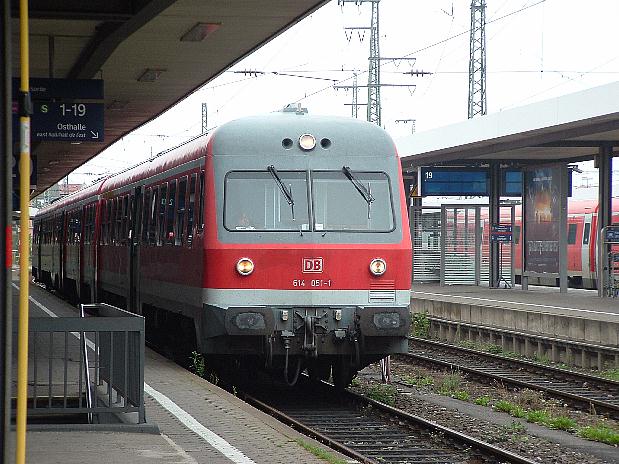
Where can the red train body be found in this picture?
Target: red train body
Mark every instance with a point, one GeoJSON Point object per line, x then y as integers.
{"type": "Point", "coordinates": [581, 243]}
{"type": "Point", "coordinates": [282, 238]}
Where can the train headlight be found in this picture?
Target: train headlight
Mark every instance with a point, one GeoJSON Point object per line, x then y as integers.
{"type": "Point", "coordinates": [245, 266]}
{"type": "Point", "coordinates": [307, 142]}
{"type": "Point", "coordinates": [387, 320]}
{"type": "Point", "coordinates": [378, 266]}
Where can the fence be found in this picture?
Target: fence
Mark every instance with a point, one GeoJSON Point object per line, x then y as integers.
{"type": "Point", "coordinates": [87, 366]}
{"type": "Point", "coordinates": [451, 245]}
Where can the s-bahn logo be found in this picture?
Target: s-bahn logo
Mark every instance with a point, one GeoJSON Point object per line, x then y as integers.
{"type": "Point", "coordinates": [312, 265]}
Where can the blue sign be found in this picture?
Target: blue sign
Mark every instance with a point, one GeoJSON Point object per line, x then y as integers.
{"type": "Point", "coordinates": [57, 89]}
{"type": "Point", "coordinates": [512, 183]}
{"type": "Point", "coordinates": [67, 122]}
{"type": "Point", "coordinates": [446, 181]}
{"type": "Point", "coordinates": [501, 233]}
{"type": "Point", "coordinates": [612, 235]}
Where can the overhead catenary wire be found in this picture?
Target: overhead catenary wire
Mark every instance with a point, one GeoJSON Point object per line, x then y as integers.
{"type": "Point", "coordinates": [427, 47]}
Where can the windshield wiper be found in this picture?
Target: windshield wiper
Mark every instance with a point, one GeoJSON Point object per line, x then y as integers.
{"type": "Point", "coordinates": [365, 193]}
{"type": "Point", "coordinates": [282, 187]}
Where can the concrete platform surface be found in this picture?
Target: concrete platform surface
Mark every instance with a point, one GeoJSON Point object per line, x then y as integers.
{"type": "Point", "coordinates": [189, 421]}
{"type": "Point", "coordinates": [574, 303]}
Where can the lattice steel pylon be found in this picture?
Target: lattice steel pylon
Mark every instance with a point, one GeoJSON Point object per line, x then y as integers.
{"type": "Point", "coordinates": [373, 114]}
{"type": "Point", "coordinates": [373, 104]}
{"type": "Point", "coordinates": [477, 60]}
{"type": "Point", "coordinates": [204, 118]}
{"type": "Point", "coordinates": [355, 97]}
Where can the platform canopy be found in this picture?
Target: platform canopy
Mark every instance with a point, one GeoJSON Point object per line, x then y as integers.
{"type": "Point", "coordinates": [182, 44]}
{"type": "Point", "coordinates": [569, 128]}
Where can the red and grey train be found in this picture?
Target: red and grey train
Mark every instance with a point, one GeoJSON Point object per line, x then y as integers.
{"type": "Point", "coordinates": [582, 223]}
{"type": "Point", "coordinates": [280, 239]}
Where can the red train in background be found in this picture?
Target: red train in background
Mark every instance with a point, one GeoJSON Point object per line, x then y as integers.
{"type": "Point", "coordinates": [581, 243]}
{"type": "Point", "coordinates": [280, 240]}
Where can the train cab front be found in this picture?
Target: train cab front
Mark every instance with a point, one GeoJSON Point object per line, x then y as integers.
{"type": "Point", "coordinates": [308, 256]}
{"type": "Point", "coordinates": [318, 278]}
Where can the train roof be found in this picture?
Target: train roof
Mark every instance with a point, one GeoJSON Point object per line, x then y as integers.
{"type": "Point", "coordinates": [265, 134]}
{"type": "Point", "coordinates": [174, 157]}
{"type": "Point", "coordinates": [90, 191]}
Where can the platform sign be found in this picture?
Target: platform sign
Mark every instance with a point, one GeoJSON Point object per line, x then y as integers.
{"type": "Point", "coordinates": [448, 181]}
{"type": "Point", "coordinates": [501, 233]}
{"type": "Point", "coordinates": [67, 122]}
{"type": "Point", "coordinates": [64, 110]}
{"type": "Point", "coordinates": [512, 183]}
{"type": "Point", "coordinates": [612, 235]}
{"type": "Point", "coordinates": [62, 89]}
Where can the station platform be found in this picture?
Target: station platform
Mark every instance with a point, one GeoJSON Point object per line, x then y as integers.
{"type": "Point", "coordinates": [189, 420]}
{"type": "Point", "coordinates": [576, 315]}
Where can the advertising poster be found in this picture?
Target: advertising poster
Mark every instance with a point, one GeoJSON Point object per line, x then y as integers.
{"type": "Point", "coordinates": [542, 219]}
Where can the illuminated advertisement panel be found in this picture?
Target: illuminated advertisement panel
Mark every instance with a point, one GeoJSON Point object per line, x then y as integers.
{"type": "Point", "coordinates": [542, 219]}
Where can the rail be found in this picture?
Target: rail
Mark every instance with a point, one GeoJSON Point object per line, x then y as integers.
{"type": "Point", "coordinates": [378, 434]}
{"type": "Point", "coordinates": [87, 366]}
{"type": "Point", "coordinates": [589, 392]}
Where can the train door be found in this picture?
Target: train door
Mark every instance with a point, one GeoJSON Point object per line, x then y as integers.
{"type": "Point", "coordinates": [585, 251]}
{"type": "Point", "coordinates": [39, 242]}
{"type": "Point", "coordinates": [134, 250]}
{"type": "Point", "coordinates": [83, 251]}
{"type": "Point", "coordinates": [58, 250]}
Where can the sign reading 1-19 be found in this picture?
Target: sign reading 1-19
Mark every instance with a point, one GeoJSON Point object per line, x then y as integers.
{"type": "Point", "coordinates": [76, 109]}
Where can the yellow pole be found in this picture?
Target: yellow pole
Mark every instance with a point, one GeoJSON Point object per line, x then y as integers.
{"type": "Point", "coordinates": [24, 248]}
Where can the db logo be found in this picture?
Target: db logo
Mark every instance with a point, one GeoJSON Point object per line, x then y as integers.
{"type": "Point", "coordinates": [311, 265]}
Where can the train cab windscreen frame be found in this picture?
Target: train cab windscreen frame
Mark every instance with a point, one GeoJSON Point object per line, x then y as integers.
{"type": "Point", "coordinates": [285, 201]}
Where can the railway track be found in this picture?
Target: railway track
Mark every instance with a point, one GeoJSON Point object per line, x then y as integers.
{"type": "Point", "coordinates": [377, 434]}
{"type": "Point", "coordinates": [584, 391]}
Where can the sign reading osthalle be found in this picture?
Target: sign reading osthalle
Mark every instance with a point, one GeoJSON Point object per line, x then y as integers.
{"type": "Point", "coordinates": [542, 218]}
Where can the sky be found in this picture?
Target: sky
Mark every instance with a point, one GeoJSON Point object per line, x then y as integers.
{"type": "Point", "coordinates": [536, 50]}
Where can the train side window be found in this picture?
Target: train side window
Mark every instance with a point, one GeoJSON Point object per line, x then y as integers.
{"type": "Point", "coordinates": [200, 220]}
{"type": "Point", "coordinates": [108, 218]}
{"type": "Point", "coordinates": [93, 222]}
{"type": "Point", "coordinates": [70, 228]}
{"type": "Point", "coordinates": [191, 208]}
{"type": "Point", "coordinates": [103, 221]}
{"type": "Point", "coordinates": [116, 220]}
{"type": "Point", "coordinates": [179, 235]}
{"type": "Point", "coordinates": [171, 212]}
{"type": "Point", "coordinates": [78, 227]}
{"type": "Point", "coordinates": [126, 217]}
{"type": "Point", "coordinates": [86, 216]}
{"type": "Point", "coordinates": [146, 215]}
{"type": "Point", "coordinates": [163, 195]}
{"type": "Point", "coordinates": [586, 233]}
{"type": "Point", "coordinates": [112, 219]}
{"type": "Point", "coordinates": [571, 234]}
{"type": "Point", "coordinates": [75, 228]}
{"type": "Point", "coordinates": [152, 225]}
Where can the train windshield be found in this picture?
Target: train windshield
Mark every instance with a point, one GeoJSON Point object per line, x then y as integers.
{"type": "Point", "coordinates": [260, 201]}
{"type": "Point", "coordinates": [352, 201]}
{"type": "Point", "coordinates": [273, 200]}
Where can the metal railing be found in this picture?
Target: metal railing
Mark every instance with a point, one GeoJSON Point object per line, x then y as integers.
{"type": "Point", "coordinates": [89, 366]}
